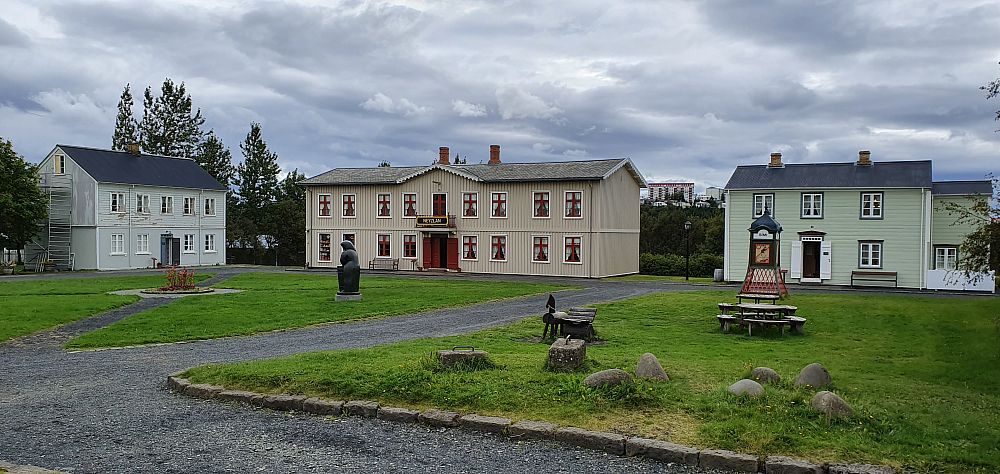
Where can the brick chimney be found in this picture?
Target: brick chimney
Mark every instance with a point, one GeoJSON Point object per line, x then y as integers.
{"type": "Point", "coordinates": [444, 156]}
{"type": "Point", "coordinates": [132, 148]}
{"type": "Point", "coordinates": [864, 158]}
{"type": "Point", "coordinates": [775, 161]}
{"type": "Point", "coordinates": [494, 155]}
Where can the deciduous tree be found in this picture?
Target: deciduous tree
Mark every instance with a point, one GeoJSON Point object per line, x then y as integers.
{"type": "Point", "coordinates": [22, 203]}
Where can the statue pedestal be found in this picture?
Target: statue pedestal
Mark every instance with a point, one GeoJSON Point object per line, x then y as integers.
{"type": "Point", "coordinates": [356, 297]}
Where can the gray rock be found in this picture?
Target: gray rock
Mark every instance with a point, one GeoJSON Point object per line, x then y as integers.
{"type": "Point", "coordinates": [177, 384]}
{"type": "Point", "coordinates": [365, 408]}
{"type": "Point", "coordinates": [401, 415]}
{"type": "Point", "coordinates": [202, 390]}
{"type": "Point", "coordinates": [746, 387]}
{"type": "Point", "coordinates": [661, 451]}
{"type": "Point", "coordinates": [859, 469]}
{"type": "Point", "coordinates": [489, 424]}
{"type": "Point", "coordinates": [532, 429]}
{"type": "Point", "coordinates": [450, 358]}
{"type": "Point", "coordinates": [241, 396]}
{"type": "Point", "coordinates": [284, 402]}
{"type": "Point", "coordinates": [649, 368]}
{"type": "Point", "coordinates": [813, 375]}
{"type": "Point", "coordinates": [607, 377]}
{"type": "Point", "coordinates": [447, 419]}
{"type": "Point", "coordinates": [831, 405]}
{"type": "Point", "coordinates": [607, 442]}
{"type": "Point", "coordinates": [322, 406]}
{"type": "Point", "coordinates": [765, 375]}
{"type": "Point", "coordinates": [567, 354]}
{"type": "Point", "coordinates": [727, 461]}
{"type": "Point", "coordinates": [786, 465]}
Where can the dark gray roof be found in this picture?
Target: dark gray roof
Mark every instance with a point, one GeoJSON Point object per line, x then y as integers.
{"type": "Point", "coordinates": [107, 166]}
{"type": "Point", "coordinates": [885, 174]}
{"type": "Point", "coordinates": [363, 175]}
{"type": "Point", "coordinates": [963, 187]}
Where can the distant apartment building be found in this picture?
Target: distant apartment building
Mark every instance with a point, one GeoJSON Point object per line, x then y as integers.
{"type": "Point", "coordinates": [659, 192]}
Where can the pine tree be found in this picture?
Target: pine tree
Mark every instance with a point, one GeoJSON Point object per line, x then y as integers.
{"type": "Point", "coordinates": [257, 175]}
{"type": "Point", "coordinates": [150, 137]}
{"type": "Point", "coordinates": [168, 126]}
{"type": "Point", "coordinates": [126, 128]}
{"type": "Point", "coordinates": [216, 159]}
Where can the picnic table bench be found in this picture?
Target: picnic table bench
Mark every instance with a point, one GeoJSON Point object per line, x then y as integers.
{"type": "Point", "coordinates": [749, 314]}
{"type": "Point", "coordinates": [757, 297]}
{"type": "Point", "coordinates": [577, 322]}
{"type": "Point", "coordinates": [383, 264]}
{"type": "Point", "coordinates": [874, 276]}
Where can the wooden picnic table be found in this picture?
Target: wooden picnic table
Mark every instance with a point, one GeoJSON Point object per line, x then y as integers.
{"type": "Point", "coordinates": [761, 314]}
{"type": "Point", "coordinates": [757, 297]}
{"type": "Point", "coordinates": [764, 309]}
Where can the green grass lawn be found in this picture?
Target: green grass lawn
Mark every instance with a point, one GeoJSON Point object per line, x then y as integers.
{"type": "Point", "coordinates": [279, 301]}
{"type": "Point", "coordinates": [33, 305]}
{"type": "Point", "coordinates": [923, 375]}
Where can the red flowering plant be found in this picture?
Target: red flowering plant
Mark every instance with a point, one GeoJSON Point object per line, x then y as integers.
{"type": "Point", "coordinates": [179, 280]}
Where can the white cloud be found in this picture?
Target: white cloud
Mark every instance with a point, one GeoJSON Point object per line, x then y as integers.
{"type": "Point", "coordinates": [468, 109]}
{"type": "Point", "coordinates": [517, 103]}
{"type": "Point", "coordinates": [575, 152]}
{"type": "Point", "coordinates": [385, 104]}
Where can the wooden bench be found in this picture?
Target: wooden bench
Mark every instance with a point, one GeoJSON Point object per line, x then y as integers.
{"type": "Point", "coordinates": [577, 322]}
{"type": "Point", "coordinates": [726, 321]}
{"type": "Point", "coordinates": [874, 276]}
{"type": "Point", "coordinates": [383, 264]}
{"type": "Point", "coordinates": [726, 308]}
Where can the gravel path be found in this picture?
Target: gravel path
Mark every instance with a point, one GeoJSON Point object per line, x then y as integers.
{"type": "Point", "coordinates": [109, 411]}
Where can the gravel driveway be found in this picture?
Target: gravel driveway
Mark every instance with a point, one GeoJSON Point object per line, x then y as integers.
{"type": "Point", "coordinates": [109, 411]}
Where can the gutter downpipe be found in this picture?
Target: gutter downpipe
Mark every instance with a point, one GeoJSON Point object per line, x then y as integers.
{"type": "Point", "coordinates": [128, 246]}
{"type": "Point", "coordinates": [590, 238]}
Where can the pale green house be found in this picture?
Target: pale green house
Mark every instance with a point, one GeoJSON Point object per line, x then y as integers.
{"type": "Point", "coordinates": [862, 224]}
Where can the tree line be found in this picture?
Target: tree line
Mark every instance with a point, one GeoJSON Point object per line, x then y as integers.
{"type": "Point", "coordinates": [664, 244]}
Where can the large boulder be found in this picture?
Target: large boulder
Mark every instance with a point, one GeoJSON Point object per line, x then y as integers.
{"type": "Point", "coordinates": [831, 405]}
{"type": "Point", "coordinates": [765, 375]}
{"type": "Point", "coordinates": [649, 368]}
{"type": "Point", "coordinates": [814, 375]}
{"type": "Point", "coordinates": [608, 377]}
{"type": "Point", "coordinates": [746, 387]}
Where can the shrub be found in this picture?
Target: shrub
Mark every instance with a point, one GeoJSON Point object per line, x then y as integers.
{"type": "Point", "coordinates": [702, 265]}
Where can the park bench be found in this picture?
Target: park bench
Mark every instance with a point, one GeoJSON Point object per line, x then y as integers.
{"type": "Point", "coordinates": [383, 264]}
{"type": "Point", "coordinates": [874, 276]}
{"type": "Point", "coordinates": [577, 322]}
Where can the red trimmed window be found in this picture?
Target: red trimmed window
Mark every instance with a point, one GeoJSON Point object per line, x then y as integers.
{"type": "Point", "coordinates": [349, 205]}
{"type": "Point", "coordinates": [409, 204]}
{"type": "Point", "coordinates": [574, 204]}
{"type": "Point", "coordinates": [541, 207]}
{"type": "Point", "coordinates": [499, 206]}
{"type": "Point", "coordinates": [540, 249]}
{"type": "Point", "coordinates": [498, 247]}
{"type": "Point", "coordinates": [410, 246]}
{"type": "Point", "coordinates": [383, 205]}
{"type": "Point", "coordinates": [572, 249]}
{"type": "Point", "coordinates": [324, 205]}
{"type": "Point", "coordinates": [470, 247]}
{"type": "Point", "coordinates": [439, 204]}
{"type": "Point", "coordinates": [383, 245]}
{"type": "Point", "coordinates": [470, 204]}
{"type": "Point", "coordinates": [324, 247]}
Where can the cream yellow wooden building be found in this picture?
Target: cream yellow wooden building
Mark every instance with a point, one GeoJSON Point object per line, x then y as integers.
{"type": "Point", "coordinates": [574, 218]}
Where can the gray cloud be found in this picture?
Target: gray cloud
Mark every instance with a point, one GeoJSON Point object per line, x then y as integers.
{"type": "Point", "coordinates": [10, 36]}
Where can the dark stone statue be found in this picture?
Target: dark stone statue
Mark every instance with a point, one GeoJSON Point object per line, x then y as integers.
{"type": "Point", "coordinates": [349, 271]}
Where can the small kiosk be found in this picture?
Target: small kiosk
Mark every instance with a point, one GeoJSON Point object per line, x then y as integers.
{"type": "Point", "coordinates": [764, 275]}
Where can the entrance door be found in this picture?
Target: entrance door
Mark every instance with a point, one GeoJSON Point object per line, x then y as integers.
{"type": "Point", "coordinates": [170, 250]}
{"type": "Point", "coordinates": [442, 245]}
{"type": "Point", "coordinates": [439, 203]}
{"type": "Point", "coordinates": [810, 259]}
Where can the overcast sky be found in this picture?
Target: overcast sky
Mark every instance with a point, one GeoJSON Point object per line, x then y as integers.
{"type": "Point", "coordinates": [687, 90]}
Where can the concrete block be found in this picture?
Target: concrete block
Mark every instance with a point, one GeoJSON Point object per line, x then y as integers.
{"type": "Point", "coordinates": [177, 384]}
{"type": "Point", "coordinates": [532, 429]}
{"type": "Point", "coordinates": [322, 406]}
{"type": "Point", "coordinates": [241, 396]}
{"type": "Point", "coordinates": [202, 390]}
{"type": "Point", "coordinates": [728, 461]}
{"type": "Point", "coordinates": [284, 402]}
{"type": "Point", "coordinates": [442, 418]}
{"type": "Point", "coordinates": [398, 414]}
{"type": "Point", "coordinates": [786, 465]}
{"type": "Point", "coordinates": [607, 442]}
{"type": "Point", "coordinates": [859, 469]}
{"type": "Point", "coordinates": [365, 408]}
{"type": "Point", "coordinates": [489, 424]}
{"type": "Point", "coordinates": [661, 451]}
{"type": "Point", "coordinates": [567, 354]}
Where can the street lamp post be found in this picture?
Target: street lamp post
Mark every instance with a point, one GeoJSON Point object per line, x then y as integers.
{"type": "Point", "coordinates": [687, 250]}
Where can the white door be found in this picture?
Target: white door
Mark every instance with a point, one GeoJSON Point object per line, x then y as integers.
{"type": "Point", "coordinates": [796, 270]}
{"type": "Point", "coordinates": [825, 260]}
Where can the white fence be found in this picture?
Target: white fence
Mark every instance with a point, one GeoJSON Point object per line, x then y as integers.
{"type": "Point", "coordinates": [956, 280]}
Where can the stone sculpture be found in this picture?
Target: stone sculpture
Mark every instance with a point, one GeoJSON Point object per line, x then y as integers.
{"type": "Point", "coordinates": [349, 273]}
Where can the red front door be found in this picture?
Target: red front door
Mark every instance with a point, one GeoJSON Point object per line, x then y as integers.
{"type": "Point", "coordinates": [440, 204]}
{"type": "Point", "coordinates": [440, 252]}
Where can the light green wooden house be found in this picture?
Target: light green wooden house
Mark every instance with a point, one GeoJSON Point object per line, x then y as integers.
{"type": "Point", "coordinates": [858, 224]}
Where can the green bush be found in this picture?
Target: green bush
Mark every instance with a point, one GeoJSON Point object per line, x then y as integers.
{"type": "Point", "coordinates": [702, 265]}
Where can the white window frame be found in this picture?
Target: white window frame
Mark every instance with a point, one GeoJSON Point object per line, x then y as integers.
{"type": "Point", "coordinates": [166, 204]}
{"type": "Point", "coordinates": [814, 211]}
{"type": "Point", "coordinates": [506, 248]}
{"type": "Point", "coordinates": [566, 202]}
{"type": "Point", "coordinates": [953, 257]}
{"type": "Point", "coordinates": [758, 207]}
{"type": "Point", "coordinates": [416, 205]}
{"type": "Point", "coordinates": [117, 244]}
{"type": "Point", "coordinates": [872, 214]}
{"type": "Point", "coordinates": [416, 245]}
{"type": "Point", "coordinates": [142, 204]}
{"type": "Point", "coordinates": [475, 208]}
{"type": "Point", "coordinates": [537, 191]}
{"type": "Point", "coordinates": [319, 206]}
{"type": "Point", "coordinates": [378, 246]}
{"type": "Point", "coordinates": [867, 247]}
{"type": "Point", "coordinates": [117, 203]}
{"type": "Point", "coordinates": [378, 206]}
{"type": "Point", "coordinates": [210, 243]}
{"type": "Point", "coordinates": [548, 241]}
{"type": "Point", "coordinates": [319, 242]}
{"type": "Point", "coordinates": [190, 204]}
{"type": "Point", "coordinates": [343, 210]}
{"type": "Point", "coordinates": [475, 244]}
{"type": "Point", "coordinates": [188, 245]}
{"type": "Point", "coordinates": [506, 209]}
{"type": "Point", "coordinates": [567, 237]}
{"type": "Point", "coordinates": [209, 206]}
{"type": "Point", "coordinates": [142, 244]}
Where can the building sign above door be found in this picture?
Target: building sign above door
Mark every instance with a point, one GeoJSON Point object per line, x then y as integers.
{"type": "Point", "coordinates": [435, 221]}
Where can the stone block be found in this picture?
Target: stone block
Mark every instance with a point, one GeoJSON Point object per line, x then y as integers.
{"type": "Point", "coordinates": [727, 461]}
{"type": "Point", "coordinates": [241, 396]}
{"type": "Point", "coordinates": [607, 442]}
{"type": "Point", "coordinates": [177, 384]}
{"type": "Point", "coordinates": [786, 465]}
{"type": "Point", "coordinates": [284, 402]}
{"type": "Point", "coordinates": [322, 406]}
{"type": "Point", "coordinates": [202, 390]}
{"type": "Point", "coordinates": [490, 424]}
{"type": "Point", "coordinates": [398, 414]}
{"type": "Point", "coordinates": [447, 419]}
{"type": "Point", "coordinates": [661, 451]}
{"type": "Point", "coordinates": [859, 469]}
{"type": "Point", "coordinates": [365, 408]}
{"type": "Point", "coordinates": [348, 297]}
{"type": "Point", "coordinates": [452, 357]}
{"type": "Point", "coordinates": [532, 429]}
{"type": "Point", "coordinates": [567, 354]}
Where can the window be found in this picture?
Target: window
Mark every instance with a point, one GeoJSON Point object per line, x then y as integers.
{"type": "Point", "coordinates": [142, 244]}
{"type": "Point", "coordinates": [209, 206]}
{"type": "Point", "coordinates": [470, 247]}
{"type": "Point", "coordinates": [870, 255]}
{"type": "Point", "coordinates": [166, 204]}
{"type": "Point", "coordinates": [761, 203]}
{"type": "Point", "coordinates": [812, 206]}
{"type": "Point", "coordinates": [384, 209]}
{"type": "Point", "coordinates": [189, 205]}
{"type": "Point", "coordinates": [498, 248]}
{"type": "Point", "coordinates": [142, 203]}
{"type": "Point", "coordinates": [118, 202]}
{"type": "Point", "coordinates": [210, 242]}
{"type": "Point", "coordinates": [188, 243]}
{"type": "Point", "coordinates": [540, 249]}
{"type": "Point", "coordinates": [498, 207]}
{"type": "Point", "coordinates": [410, 246]}
{"type": "Point", "coordinates": [574, 204]}
{"type": "Point", "coordinates": [324, 247]}
{"type": "Point", "coordinates": [409, 204]}
{"type": "Point", "coordinates": [383, 245]}
{"type": "Point", "coordinates": [348, 205]}
{"type": "Point", "coordinates": [323, 206]}
{"type": "Point", "coordinates": [439, 204]}
{"type": "Point", "coordinates": [59, 164]}
{"type": "Point", "coordinates": [349, 237]}
{"type": "Point", "coordinates": [541, 204]}
{"type": "Point", "coordinates": [945, 258]}
{"type": "Point", "coordinates": [572, 245]}
{"type": "Point", "coordinates": [871, 205]}
{"type": "Point", "coordinates": [117, 244]}
{"type": "Point", "coordinates": [470, 204]}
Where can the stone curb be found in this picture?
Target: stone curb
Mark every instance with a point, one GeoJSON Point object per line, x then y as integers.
{"type": "Point", "coordinates": [527, 429]}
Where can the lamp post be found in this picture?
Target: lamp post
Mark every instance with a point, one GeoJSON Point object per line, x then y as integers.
{"type": "Point", "coordinates": [687, 250]}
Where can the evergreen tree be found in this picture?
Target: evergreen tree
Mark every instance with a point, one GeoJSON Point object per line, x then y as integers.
{"type": "Point", "coordinates": [126, 128]}
{"type": "Point", "coordinates": [257, 175]}
{"type": "Point", "coordinates": [168, 126]}
{"type": "Point", "coordinates": [216, 159]}
{"type": "Point", "coordinates": [289, 189]}
{"type": "Point", "coordinates": [149, 129]}
{"type": "Point", "coordinates": [23, 203]}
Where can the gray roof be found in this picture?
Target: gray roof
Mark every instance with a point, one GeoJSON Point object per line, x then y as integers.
{"type": "Point", "coordinates": [107, 166]}
{"type": "Point", "coordinates": [589, 170]}
{"type": "Point", "coordinates": [963, 187]}
{"type": "Point", "coordinates": [885, 174]}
